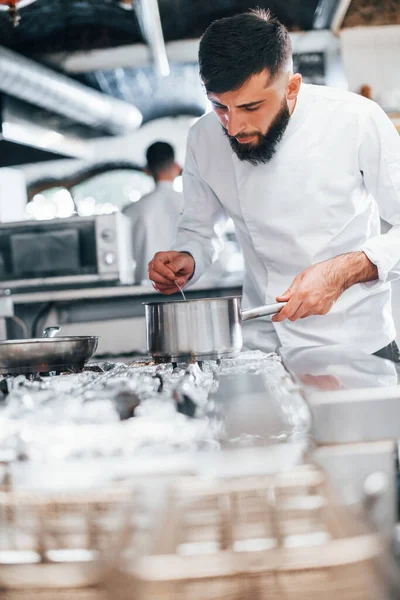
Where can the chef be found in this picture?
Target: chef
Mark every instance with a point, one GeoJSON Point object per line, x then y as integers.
{"type": "Point", "coordinates": [305, 172]}
{"type": "Point", "coordinates": [155, 216]}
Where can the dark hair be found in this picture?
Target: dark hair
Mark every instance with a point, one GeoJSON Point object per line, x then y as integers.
{"type": "Point", "coordinates": [159, 156]}
{"type": "Point", "coordinates": [233, 49]}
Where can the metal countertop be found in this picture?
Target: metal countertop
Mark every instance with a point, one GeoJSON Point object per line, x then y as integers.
{"type": "Point", "coordinates": [37, 296]}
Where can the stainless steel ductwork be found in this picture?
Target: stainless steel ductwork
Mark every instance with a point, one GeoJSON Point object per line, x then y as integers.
{"type": "Point", "coordinates": [29, 81]}
{"type": "Point", "coordinates": [150, 23]}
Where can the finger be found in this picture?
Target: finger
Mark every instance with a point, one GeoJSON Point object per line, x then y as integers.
{"type": "Point", "coordinates": [284, 297]}
{"type": "Point", "coordinates": [164, 289]}
{"type": "Point", "coordinates": [158, 278]}
{"type": "Point", "coordinates": [161, 280]}
{"type": "Point", "coordinates": [162, 265]}
{"type": "Point", "coordinates": [300, 313]}
{"type": "Point", "coordinates": [287, 311]}
{"type": "Point", "coordinates": [183, 263]}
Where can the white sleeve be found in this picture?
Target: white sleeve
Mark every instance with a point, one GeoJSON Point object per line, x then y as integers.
{"type": "Point", "coordinates": [204, 219]}
{"type": "Point", "coordinates": [379, 160]}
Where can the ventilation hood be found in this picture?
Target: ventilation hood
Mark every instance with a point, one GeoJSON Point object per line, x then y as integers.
{"type": "Point", "coordinates": [38, 104]}
{"type": "Point", "coordinates": [24, 141]}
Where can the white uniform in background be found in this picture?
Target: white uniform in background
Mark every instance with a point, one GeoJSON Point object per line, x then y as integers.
{"type": "Point", "coordinates": [336, 168]}
{"type": "Point", "coordinates": [154, 224]}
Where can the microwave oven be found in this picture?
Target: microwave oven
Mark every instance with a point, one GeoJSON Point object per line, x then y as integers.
{"type": "Point", "coordinates": [72, 251]}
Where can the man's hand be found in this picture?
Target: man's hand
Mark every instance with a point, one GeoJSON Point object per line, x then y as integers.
{"type": "Point", "coordinates": [170, 268]}
{"type": "Point", "coordinates": [315, 290]}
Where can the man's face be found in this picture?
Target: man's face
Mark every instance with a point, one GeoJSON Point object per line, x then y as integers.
{"type": "Point", "coordinates": [255, 116]}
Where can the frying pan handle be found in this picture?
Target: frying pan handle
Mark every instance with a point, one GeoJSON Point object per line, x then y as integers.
{"type": "Point", "coordinates": [262, 311]}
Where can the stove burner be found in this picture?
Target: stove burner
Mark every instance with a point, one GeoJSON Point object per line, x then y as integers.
{"type": "Point", "coordinates": [200, 363]}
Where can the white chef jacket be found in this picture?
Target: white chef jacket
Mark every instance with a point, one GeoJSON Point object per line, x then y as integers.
{"type": "Point", "coordinates": [154, 224]}
{"type": "Point", "coordinates": [336, 168]}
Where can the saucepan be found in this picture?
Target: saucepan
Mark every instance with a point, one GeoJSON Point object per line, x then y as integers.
{"type": "Point", "coordinates": [49, 353]}
{"type": "Point", "coordinates": [205, 329]}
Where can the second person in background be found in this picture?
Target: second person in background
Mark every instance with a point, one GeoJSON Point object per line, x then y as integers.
{"type": "Point", "coordinates": [155, 216]}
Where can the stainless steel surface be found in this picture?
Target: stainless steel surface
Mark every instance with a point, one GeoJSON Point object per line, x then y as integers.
{"type": "Point", "coordinates": [39, 85]}
{"type": "Point", "coordinates": [353, 396]}
{"type": "Point", "coordinates": [51, 332]}
{"type": "Point", "coordinates": [181, 290]}
{"type": "Point", "coordinates": [6, 304]}
{"type": "Point", "coordinates": [6, 310]}
{"type": "Point", "coordinates": [209, 328]}
{"type": "Point", "coordinates": [43, 355]}
{"type": "Point", "coordinates": [3, 328]}
{"type": "Point", "coordinates": [117, 291]}
{"type": "Point", "coordinates": [260, 407]}
{"type": "Point", "coordinates": [101, 400]}
{"type": "Point", "coordinates": [262, 311]}
{"type": "Point", "coordinates": [351, 467]}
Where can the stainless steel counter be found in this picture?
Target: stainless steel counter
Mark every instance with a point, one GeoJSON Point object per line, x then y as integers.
{"type": "Point", "coordinates": [354, 399]}
{"type": "Point", "coordinates": [117, 291]}
{"type": "Point", "coordinates": [146, 411]}
{"type": "Point", "coordinates": [251, 418]}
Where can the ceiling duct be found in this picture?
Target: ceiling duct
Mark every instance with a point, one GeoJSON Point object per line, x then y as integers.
{"type": "Point", "coordinates": [148, 15]}
{"type": "Point", "coordinates": [34, 83]}
{"type": "Point", "coordinates": [24, 140]}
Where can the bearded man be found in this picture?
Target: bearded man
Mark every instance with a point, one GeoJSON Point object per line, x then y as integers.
{"type": "Point", "coordinates": [305, 172]}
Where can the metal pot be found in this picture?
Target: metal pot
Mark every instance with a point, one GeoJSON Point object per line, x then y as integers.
{"type": "Point", "coordinates": [205, 329]}
{"type": "Point", "coordinates": [42, 355]}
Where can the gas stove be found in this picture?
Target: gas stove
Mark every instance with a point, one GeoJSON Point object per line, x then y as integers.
{"type": "Point", "coordinates": [148, 408]}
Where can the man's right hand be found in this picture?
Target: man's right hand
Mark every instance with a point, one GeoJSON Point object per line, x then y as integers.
{"type": "Point", "coordinates": [170, 268]}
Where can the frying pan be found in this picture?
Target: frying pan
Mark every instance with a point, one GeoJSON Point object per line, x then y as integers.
{"type": "Point", "coordinates": [42, 355]}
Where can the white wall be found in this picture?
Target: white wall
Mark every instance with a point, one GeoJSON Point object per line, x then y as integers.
{"type": "Point", "coordinates": [371, 56]}
{"type": "Point", "coordinates": [13, 195]}
{"type": "Point", "coordinates": [322, 41]}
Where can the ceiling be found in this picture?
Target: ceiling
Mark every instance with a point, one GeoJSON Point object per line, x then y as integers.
{"type": "Point", "coordinates": [68, 25]}
{"type": "Point", "coordinates": [64, 27]}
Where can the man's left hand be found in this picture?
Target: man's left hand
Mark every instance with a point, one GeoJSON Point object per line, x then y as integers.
{"type": "Point", "coordinates": [315, 290]}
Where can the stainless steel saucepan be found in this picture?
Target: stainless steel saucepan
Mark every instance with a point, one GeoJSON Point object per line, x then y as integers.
{"type": "Point", "coordinates": [205, 329]}
{"type": "Point", "coordinates": [42, 355]}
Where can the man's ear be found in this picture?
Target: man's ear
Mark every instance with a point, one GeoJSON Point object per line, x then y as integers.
{"type": "Point", "coordinates": [294, 86]}
{"type": "Point", "coordinates": [177, 170]}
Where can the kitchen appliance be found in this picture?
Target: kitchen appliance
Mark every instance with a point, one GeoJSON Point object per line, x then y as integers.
{"type": "Point", "coordinates": [65, 252]}
{"type": "Point", "coordinates": [205, 329]}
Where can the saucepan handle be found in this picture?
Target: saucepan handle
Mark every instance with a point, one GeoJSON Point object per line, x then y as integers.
{"type": "Point", "coordinates": [262, 311]}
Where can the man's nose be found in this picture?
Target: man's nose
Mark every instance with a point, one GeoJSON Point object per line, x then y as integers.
{"type": "Point", "coordinates": [234, 124]}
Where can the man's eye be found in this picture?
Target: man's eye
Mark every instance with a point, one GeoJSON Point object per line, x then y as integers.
{"type": "Point", "coordinates": [251, 109]}
{"type": "Point", "coordinates": [218, 106]}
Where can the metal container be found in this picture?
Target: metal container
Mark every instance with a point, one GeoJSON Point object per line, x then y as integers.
{"type": "Point", "coordinates": [41, 355]}
{"type": "Point", "coordinates": [205, 329]}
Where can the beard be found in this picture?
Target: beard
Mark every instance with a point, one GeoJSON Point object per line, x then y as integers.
{"type": "Point", "coordinates": [265, 148]}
